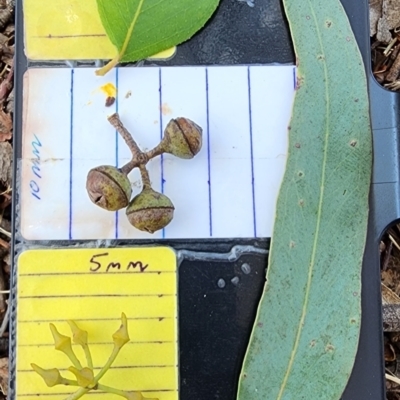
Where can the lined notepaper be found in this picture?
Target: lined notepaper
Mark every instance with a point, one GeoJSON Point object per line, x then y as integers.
{"type": "Point", "coordinates": [228, 190]}
{"type": "Point", "coordinates": [93, 287]}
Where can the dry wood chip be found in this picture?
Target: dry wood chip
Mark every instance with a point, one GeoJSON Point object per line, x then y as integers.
{"type": "Point", "coordinates": [6, 125]}
{"type": "Point", "coordinates": [3, 39]}
{"type": "Point", "coordinates": [375, 13]}
{"type": "Point", "coordinates": [390, 278]}
{"type": "Point", "coordinates": [394, 70]}
{"type": "Point", "coordinates": [4, 343]}
{"type": "Point", "coordinates": [7, 262]}
{"type": "Point", "coordinates": [10, 30]}
{"type": "Point", "coordinates": [4, 375]}
{"type": "Point", "coordinates": [6, 85]}
{"type": "Point", "coordinates": [388, 296]}
{"type": "Point", "coordinates": [389, 353]}
{"type": "Point", "coordinates": [10, 102]}
{"type": "Point", "coordinates": [6, 15]}
{"type": "Point", "coordinates": [391, 317]}
{"type": "Point", "coordinates": [3, 287]}
{"type": "Point", "coordinates": [390, 19]}
{"type": "Point", "coordinates": [6, 154]}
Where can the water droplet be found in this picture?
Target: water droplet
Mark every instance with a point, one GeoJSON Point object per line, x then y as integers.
{"type": "Point", "coordinates": [246, 269]}
{"type": "Point", "coordinates": [221, 283]}
{"type": "Point", "coordinates": [235, 280]}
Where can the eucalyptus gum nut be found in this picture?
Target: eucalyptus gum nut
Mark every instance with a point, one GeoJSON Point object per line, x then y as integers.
{"type": "Point", "coordinates": [150, 211]}
{"type": "Point", "coordinates": [182, 138]}
{"type": "Point", "coordinates": [108, 187]}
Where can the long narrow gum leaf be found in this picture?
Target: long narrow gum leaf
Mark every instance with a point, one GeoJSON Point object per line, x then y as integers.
{"type": "Point", "coordinates": [306, 332]}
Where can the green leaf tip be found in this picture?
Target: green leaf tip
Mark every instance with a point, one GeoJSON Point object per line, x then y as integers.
{"type": "Point", "coordinates": [121, 336]}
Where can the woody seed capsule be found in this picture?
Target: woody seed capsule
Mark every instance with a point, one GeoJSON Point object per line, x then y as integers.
{"type": "Point", "coordinates": [182, 138]}
{"type": "Point", "coordinates": [150, 211]}
{"type": "Point", "coordinates": [108, 187]}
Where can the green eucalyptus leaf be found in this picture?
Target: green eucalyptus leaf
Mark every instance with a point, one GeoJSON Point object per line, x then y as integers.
{"type": "Point", "coordinates": [142, 28]}
{"type": "Point", "coordinates": [305, 337]}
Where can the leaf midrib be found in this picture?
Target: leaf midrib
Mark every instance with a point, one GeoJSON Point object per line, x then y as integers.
{"type": "Point", "coordinates": [131, 28]}
{"type": "Point", "coordinates": [317, 229]}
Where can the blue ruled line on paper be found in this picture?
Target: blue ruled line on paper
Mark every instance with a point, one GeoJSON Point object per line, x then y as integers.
{"type": "Point", "coordinates": [208, 154]}
{"type": "Point", "coordinates": [251, 152]}
{"type": "Point", "coordinates": [161, 135]}
{"type": "Point", "coordinates": [294, 78]}
{"type": "Point", "coordinates": [71, 142]}
{"type": "Point", "coordinates": [116, 146]}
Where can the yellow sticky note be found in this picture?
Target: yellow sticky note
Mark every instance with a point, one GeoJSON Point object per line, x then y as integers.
{"type": "Point", "coordinates": [68, 30]}
{"type": "Point", "coordinates": [93, 287]}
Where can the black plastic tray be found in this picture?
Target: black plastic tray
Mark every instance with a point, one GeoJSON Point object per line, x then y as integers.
{"type": "Point", "coordinates": [215, 324]}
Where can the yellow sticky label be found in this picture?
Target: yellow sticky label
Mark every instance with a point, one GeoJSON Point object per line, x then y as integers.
{"type": "Point", "coordinates": [93, 287]}
{"type": "Point", "coordinates": [68, 30]}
